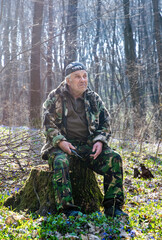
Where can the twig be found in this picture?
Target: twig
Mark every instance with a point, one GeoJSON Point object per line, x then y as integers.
{"type": "Point", "coordinates": [157, 150]}
{"type": "Point", "coordinates": [17, 160]}
{"type": "Point", "coordinates": [144, 129]}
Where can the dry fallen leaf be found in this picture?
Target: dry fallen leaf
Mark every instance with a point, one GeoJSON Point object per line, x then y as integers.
{"type": "Point", "coordinates": [10, 220]}
{"type": "Point", "coordinates": [124, 235]}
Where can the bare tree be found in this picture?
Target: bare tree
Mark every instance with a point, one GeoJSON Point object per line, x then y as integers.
{"type": "Point", "coordinates": [91, 32]}
{"type": "Point", "coordinates": [1, 11]}
{"type": "Point", "coordinates": [49, 48]}
{"type": "Point", "coordinates": [7, 74]}
{"type": "Point", "coordinates": [158, 37]}
{"type": "Point", "coordinates": [35, 86]}
{"type": "Point", "coordinates": [96, 42]}
{"type": "Point", "coordinates": [71, 32]}
{"type": "Point", "coordinates": [132, 72]}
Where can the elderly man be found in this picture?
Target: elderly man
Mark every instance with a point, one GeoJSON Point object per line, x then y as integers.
{"type": "Point", "coordinates": [75, 118]}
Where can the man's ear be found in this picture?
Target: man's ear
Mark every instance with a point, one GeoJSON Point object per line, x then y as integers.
{"type": "Point", "coordinates": [68, 81]}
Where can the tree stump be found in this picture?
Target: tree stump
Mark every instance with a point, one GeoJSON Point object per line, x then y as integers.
{"type": "Point", "coordinates": [37, 195]}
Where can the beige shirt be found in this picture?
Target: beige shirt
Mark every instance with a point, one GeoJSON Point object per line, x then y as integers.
{"type": "Point", "coordinates": [77, 127]}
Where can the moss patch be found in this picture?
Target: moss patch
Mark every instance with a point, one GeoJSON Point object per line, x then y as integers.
{"type": "Point", "coordinates": [37, 195]}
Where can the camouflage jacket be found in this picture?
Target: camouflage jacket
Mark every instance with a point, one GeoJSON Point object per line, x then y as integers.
{"type": "Point", "coordinates": [55, 114]}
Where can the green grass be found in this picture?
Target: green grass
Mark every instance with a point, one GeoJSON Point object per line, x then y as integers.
{"type": "Point", "coordinates": [143, 204]}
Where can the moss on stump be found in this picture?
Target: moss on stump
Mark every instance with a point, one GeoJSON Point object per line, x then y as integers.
{"type": "Point", "coordinates": [86, 191]}
{"type": "Point", "coordinates": [37, 194]}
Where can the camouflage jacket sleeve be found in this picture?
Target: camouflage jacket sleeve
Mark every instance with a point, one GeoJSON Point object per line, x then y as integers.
{"type": "Point", "coordinates": [102, 120]}
{"type": "Point", "coordinates": [52, 118]}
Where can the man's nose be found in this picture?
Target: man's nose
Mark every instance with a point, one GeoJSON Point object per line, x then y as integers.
{"type": "Point", "coordinates": [82, 78]}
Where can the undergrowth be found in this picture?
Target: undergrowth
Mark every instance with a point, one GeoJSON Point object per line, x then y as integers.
{"type": "Point", "coordinates": [143, 204]}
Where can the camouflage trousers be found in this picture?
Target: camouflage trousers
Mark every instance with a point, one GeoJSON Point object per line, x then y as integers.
{"type": "Point", "coordinates": [108, 164]}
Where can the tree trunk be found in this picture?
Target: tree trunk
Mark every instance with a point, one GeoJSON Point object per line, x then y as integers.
{"type": "Point", "coordinates": [7, 73]}
{"type": "Point", "coordinates": [49, 49]}
{"type": "Point", "coordinates": [96, 42]}
{"type": "Point", "coordinates": [132, 72]}
{"type": "Point", "coordinates": [1, 12]}
{"type": "Point", "coordinates": [71, 33]}
{"type": "Point", "coordinates": [37, 195]}
{"type": "Point", "coordinates": [15, 66]}
{"type": "Point", "coordinates": [35, 84]}
{"type": "Point", "coordinates": [158, 37]}
{"type": "Point", "coordinates": [112, 67]}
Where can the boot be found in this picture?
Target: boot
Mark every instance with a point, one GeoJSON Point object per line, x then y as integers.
{"type": "Point", "coordinates": [114, 212]}
{"type": "Point", "coordinates": [72, 213]}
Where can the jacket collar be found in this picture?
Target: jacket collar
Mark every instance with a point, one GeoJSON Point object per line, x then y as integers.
{"type": "Point", "coordinates": [62, 89]}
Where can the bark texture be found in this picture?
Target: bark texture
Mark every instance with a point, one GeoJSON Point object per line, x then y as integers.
{"type": "Point", "coordinates": [37, 195]}
{"type": "Point", "coordinates": [132, 71]}
{"type": "Point", "coordinates": [35, 83]}
{"type": "Point", "coordinates": [71, 32]}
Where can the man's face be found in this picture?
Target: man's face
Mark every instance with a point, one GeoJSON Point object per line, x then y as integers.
{"type": "Point", "coordinates": [78, 82]}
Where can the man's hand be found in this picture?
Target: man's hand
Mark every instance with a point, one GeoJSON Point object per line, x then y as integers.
{"type": "Point", "coordinates": [97, 149]}
{"type": "Point", "coordinates": [65, 146]}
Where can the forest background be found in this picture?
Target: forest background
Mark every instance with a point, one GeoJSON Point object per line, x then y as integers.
{"type": "Point", "coordinates": [118, 41]}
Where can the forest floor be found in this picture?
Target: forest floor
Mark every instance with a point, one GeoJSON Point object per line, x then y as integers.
{"type": "Point", "coordinates": [20, 150]}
